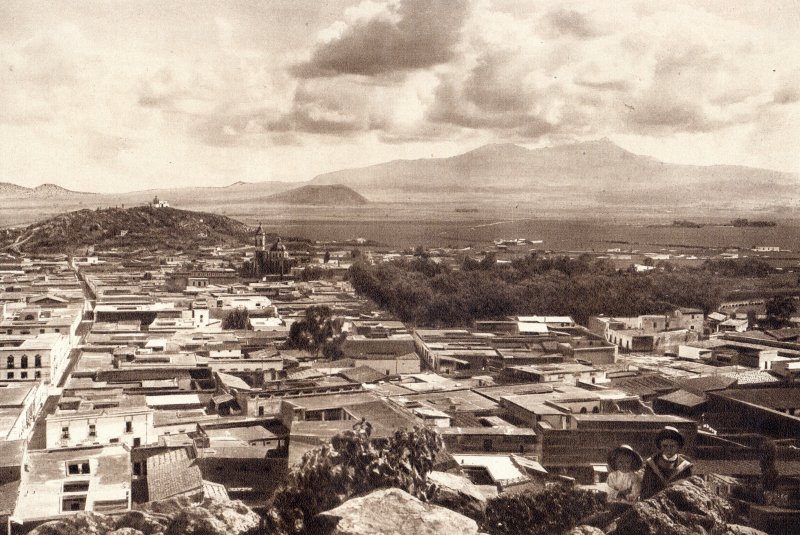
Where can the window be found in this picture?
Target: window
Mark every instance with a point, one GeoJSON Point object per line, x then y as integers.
{"type": "Point", "coordinates": [128, 426]}
{"type": "Point", "coordinates": [10, 375]}
{"type": "Point", "coordinates": [23, 361]}
{"type": "Point", "coordinates": [137, 442]}
{"type": "Point", "coordinates": [10, 362]}
{"type": "Point", "coordinates": [41, 331]}
{"type": "Point", "coordinates": [76, 486]}
{"type": "Point", "coordinates": [92, 430]}
{"type": "Point", "coordinates": [23, 375]}
{"type": "Point", "coordinates": [37, 361]}
{"type": "Point", "coordinates": [73, 503]}
{"type": "Point", "coordinates": [64, 431]}
{"type": "Point", "coordinates": [37, 375]}
{"type": "Point", "coordinates": [78, 467]}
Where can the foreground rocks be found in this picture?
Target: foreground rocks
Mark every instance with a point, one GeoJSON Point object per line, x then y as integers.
{"type": "Point", "coordinates": [685, 508]}
{"type": "Point", "coordinates": [176, 516]}
{"type": "Point", "coordinates": [458, 494]}
{"type": "Point", "coordinates": [394, 512]}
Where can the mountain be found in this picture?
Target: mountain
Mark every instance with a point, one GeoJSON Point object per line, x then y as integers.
{"type": "Point", "coordinates": [594, 171]}
{"type": "Point", "coordinates": [43, 191]}
{"type": "Point", "coordinates": [333, 195]}
{"type": "Point", "coordinates": [141, 226]}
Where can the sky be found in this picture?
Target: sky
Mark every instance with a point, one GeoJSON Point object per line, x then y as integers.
{"type": "Point", "coordinates": [112, 96]}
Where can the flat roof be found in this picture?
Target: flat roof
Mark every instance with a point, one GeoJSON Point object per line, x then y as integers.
{"type": "Point", "coordinates": [173, 399]}
{"type": "Point", "coordinates": [42, 485]}
{"type": "Point", "coordinates": [14, 396]}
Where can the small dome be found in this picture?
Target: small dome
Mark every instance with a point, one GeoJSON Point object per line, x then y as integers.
{"type": "Point", "coordinates": [278, 246]}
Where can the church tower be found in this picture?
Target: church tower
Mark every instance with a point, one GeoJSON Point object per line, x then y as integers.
{"type": "Point", "coordinates": [260, 253]}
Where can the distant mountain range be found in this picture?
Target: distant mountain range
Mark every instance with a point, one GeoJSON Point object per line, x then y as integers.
{"type": "Point", "coordinates": [598, 169]}
{"type": "Point", "coordinates": [587, 179]}
{"type": "Point", "coordinates": [45, 191]}
{"type": "Point", "coordinates": [334, 194]}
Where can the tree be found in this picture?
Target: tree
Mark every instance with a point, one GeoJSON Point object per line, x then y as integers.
{"type": "Point", "coordinates": [752, 319]}
{"type": "Point", "coordinates": [317, 332]}
{"type": "Point", "coordinates": [352, 464]}
{"type": "Point", "coordinates": [237, 319]}
{"type": "Point", "coordinates": [780, 310]}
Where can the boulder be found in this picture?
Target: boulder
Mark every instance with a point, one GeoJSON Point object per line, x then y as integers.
{"type": "Point", "coordinates": [736, 529]}
{"type": "Point", "coordinates": [178, 516]}
{"type": "Point", "coordinates": [457, 493]}
{"type": "Point", "coordinates": [585, 530]}
{"type": "Point", "coordinates": [684, 508]}
{"type": "Point", "coordinates": [214, 517]}
{"type": "Point", "coordinates": [394, 512]}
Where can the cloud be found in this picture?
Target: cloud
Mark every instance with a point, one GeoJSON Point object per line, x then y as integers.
{"type": "Point", "coordinates": [572, 23]}
{"type": "Point", "coordinates": [412, 34]}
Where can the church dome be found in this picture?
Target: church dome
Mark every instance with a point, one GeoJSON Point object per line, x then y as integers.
{"type": "Point", "coordinates": [278, 246]}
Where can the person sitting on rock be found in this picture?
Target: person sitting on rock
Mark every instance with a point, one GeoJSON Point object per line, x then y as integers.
{"type": "Point", "coordinates": [625, 479]}
{"type": "Point", "coordinates": [666, 466]}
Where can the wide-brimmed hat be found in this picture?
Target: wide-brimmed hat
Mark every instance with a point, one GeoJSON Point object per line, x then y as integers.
{"type": "Point", "coordinates": [669, 432]}
{"type": "Point", "coordinates": [627, 450]}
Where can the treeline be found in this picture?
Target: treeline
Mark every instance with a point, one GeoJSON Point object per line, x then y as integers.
{"type": "Point", "coordinates": [425, 293]}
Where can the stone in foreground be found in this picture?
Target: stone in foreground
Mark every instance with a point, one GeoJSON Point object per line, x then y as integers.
{"type": "Point", "coordinates": [395, 512]}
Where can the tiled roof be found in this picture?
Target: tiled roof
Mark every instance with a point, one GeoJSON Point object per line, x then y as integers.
{"type": "Point", "coordinates": [708, 383]}
{"type": "Point", "coordinates": [683, 398]}
{"type": "Point", "coordinates": [172, 473]}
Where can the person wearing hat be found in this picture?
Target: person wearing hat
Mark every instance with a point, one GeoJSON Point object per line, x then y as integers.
{"type": "Point", "coordinates": [666, 466]}
{"type": "Point", "coordinates": [625, 479]}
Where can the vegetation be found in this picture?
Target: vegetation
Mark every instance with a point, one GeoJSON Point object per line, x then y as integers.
{"type": "Point", "coordinates": [237, 319]}
{"type": "Point", "coordinates": [744, 267]}
{"type": "Point", "coordinates": [779, 311]}
{"type": "Point", "coordinates": [317, 332]}
{"type": "Point", "coordinates": [747, 223]}
{"type": "Point", "coordinates": [353, 464]}
{"type": "Point", "coordinates": [140, 226]}
{"type": "Point", "coordinates": [423, 292]}
{"type": "Point", "coordinates": [554, 510]}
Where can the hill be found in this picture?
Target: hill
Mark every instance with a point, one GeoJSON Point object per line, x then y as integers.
{"type": "Point", "coordinates": [141, 226]}
{"type": "Point", "coordinates": [593, 172]}
{"type": "Point", "coordinates": [43, 191]}
{"type": "Point", "coordinates": [333, 195]}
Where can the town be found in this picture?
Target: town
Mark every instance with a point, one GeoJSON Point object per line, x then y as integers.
{"type": "Point", "coordinates": [131, 375]}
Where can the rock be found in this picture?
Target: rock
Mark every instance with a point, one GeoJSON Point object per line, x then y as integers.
{"type": "Point", "coordinates": [394, 512]}
{"type": "Point", "coordinates": [685, 508]}
{"type": "Point", "coordinates": [457, 493]}
{"type": "Point", "coordinates": [215, 517]}
{"type": "Point", "coordinates": [585, 530]}
{"type": "Point", "coordinates": [128, 531]}
{"type": "Point", "coordinates": [177, 516]}
{"type": "Point", "coordinates": [83, 523]}
{"type": "Point", "coordinates": [736, 529]}
{"type": "Point", "coordinates": [139, 521]}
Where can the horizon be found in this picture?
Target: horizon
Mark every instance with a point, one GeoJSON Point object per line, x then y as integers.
{"type": "Point", "coordinates": [308, 182]}
{"type": "Point", "coordinates": [137, 96]}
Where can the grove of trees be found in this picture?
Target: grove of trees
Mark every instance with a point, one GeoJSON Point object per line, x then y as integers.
{"type": "Point", "coordinates": [422, 292]}
{"type": "Point", "coordinates": [318, 332]}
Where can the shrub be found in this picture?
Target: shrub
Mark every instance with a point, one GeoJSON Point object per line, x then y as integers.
{"type": "Point", "coordinates": [551, 511]}
{"type": "Point", "coordinates": [352, 464]}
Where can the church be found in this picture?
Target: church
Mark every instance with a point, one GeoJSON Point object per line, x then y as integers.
{"type": "Point", "coordinates": [274, 261]}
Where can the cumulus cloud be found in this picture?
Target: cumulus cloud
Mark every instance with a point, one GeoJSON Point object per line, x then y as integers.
{"type": "Point", "coordinates": [411, 34]}
{"type": "Point", "coordinates": [570, 22]}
